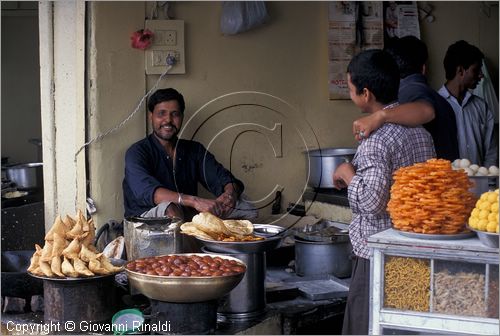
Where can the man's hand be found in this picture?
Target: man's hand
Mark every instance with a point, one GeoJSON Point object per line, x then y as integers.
{"type": "Point", "coordinates": [363, 127]}
{"type": "Point", "coordinates": [227, 201]}
{"type": "Point", "coordinates": [343, 175]}
{"type": "Point", "coordinates": [207, 205]}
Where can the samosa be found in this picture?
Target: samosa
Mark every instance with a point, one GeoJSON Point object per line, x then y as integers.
{"type": "Point", "coordinates": [55, 266]}
{"type": "Point", "coordinates": [47, 251]}
{"type": "Point", "coordinates": [59, 245]}
{"type": "Point", "coordinates": [96, 267]}
{"type": "Point", "coordinates": [58, 227]}
{"type": "Point", "coordinates": [68, 269]}
{"type": "Point", "coordinates": [35, 259]}
{"type": "Point", "coordinates": [72, 250]}
{"type": "Point", "coordinates": [45, 268]}
{"type": "Point", "coordinates": [86, 254]}
{"type": "Point", "coordinates": [80, 267]}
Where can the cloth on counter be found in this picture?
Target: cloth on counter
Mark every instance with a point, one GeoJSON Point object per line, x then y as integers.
{"type": "Point", "coordinates": [148, 167]}
{"type": "Point", "coordinates": [475, 127]}
{"type": "Point", "coordinates": [386, 150]}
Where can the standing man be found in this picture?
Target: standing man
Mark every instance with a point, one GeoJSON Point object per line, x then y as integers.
{"type": "Point", "coordinates": [162, 172]}
{"type": "Point", "coordinates": [410, 54]}
{"type": "Point", "coordinates": [373, 81]}
{"type": "Point", "coordinates": [475, 120]}
{"type": "Point", "coordinates": [420, 104]}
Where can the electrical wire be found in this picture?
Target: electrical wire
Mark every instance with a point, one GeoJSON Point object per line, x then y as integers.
{"type": "Point", "coordinates": [120, 125]}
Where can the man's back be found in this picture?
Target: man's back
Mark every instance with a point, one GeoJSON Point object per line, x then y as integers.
{"type": "Point", "coordinates": [443, 128]}
{"type": "Point", "coordinates": [388, 149]}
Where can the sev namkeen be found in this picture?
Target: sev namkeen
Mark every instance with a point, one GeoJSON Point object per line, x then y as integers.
{"type": "Point", "coordinates": [430, 197]}
{"type": "Point", "coordinates": [407, 283]}
{"type": "Point", "coordinates": [207, 226]}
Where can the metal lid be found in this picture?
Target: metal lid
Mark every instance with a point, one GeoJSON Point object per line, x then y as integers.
{"type": "Point", "coordinates": [329, 232]}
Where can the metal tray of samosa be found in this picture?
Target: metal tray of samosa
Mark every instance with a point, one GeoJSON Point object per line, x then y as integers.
{"type": "Point", "coordinates": [114, 262]}
{"type": "Point", "coordinates": [272, 234]}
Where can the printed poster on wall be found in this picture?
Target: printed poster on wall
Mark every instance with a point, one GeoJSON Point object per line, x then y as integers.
{"type": "Point", "coordinates": [400, 19]}
{"type": "Point", "coordinates": [352, 26]}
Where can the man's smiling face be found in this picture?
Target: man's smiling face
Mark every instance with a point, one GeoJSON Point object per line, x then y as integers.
{"type": "Point", "coordinates": [166, 119]}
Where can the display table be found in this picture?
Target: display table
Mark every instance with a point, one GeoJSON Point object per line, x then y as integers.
{"type": "Point", "coordinates": [432, 286]}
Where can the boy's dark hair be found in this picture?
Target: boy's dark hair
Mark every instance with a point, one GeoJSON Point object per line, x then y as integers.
{"type": "Point", "coordinates": [163, 95]}
{"type": "Point", "coordinates": [410, 54]}
{"type": "Point", "coordinates": [377, 71]}
{"type": "Point", "coordinates": [462, 54]}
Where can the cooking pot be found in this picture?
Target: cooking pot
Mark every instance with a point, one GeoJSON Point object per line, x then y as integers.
{"type": "Point", "coordinates": [323, 248]}
{"type": "Point", "coordinates": [26, 175]}
{"type": "Point", "coordinates": [323, 163]}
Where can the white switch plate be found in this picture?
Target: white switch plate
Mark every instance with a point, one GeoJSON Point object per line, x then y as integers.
{"type": "Point", "coordinates": [168, 40]}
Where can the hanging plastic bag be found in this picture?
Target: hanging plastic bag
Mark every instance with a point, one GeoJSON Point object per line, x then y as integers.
{"type": "Point", "coordinates": [240, 16]}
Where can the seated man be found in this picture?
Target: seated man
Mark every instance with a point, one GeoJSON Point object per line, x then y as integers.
{"type": "Point", "coordinates": [373, 81]}
{"type": "Point", "coordinates": [162, 171]}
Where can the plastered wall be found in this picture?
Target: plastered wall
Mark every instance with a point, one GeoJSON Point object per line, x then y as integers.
{"type": "Point", "coordinates": [285, 61]}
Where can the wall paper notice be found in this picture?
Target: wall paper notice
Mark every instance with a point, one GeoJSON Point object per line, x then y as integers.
{"type": "Point", "coordinates": [352, 26]}
{"type": "Point", "coordinates": [400, 19]}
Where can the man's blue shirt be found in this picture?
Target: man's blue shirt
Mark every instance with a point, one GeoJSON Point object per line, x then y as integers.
{"type": "Point", "coordinates": [147, 167]}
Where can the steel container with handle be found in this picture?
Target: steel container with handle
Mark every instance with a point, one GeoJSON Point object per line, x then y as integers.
{"type": "Point", "coordinates": [321, 164]}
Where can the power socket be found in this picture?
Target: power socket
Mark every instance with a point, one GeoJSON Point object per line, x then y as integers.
{"type": "Point", "coordinates": [168, 40]}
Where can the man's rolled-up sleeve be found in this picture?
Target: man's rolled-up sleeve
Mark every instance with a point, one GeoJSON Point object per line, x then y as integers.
{"type": "Point", "coordinates": [138, 174]}
{"type": "Point", "coordinates": [369, 189]}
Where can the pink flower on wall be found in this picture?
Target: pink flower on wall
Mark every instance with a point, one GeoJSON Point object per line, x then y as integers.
{"type": "Point", "coordinates": [142, 39]}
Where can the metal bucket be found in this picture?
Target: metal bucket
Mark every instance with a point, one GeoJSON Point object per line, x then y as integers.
{"type": "Point", "coordinates": [146, 237]}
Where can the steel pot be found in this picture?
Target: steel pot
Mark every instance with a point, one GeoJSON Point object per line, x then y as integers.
{"type": "Point", "coordinates": [26, 175]}
{"type": "Point", "coordinates": [323, 162]}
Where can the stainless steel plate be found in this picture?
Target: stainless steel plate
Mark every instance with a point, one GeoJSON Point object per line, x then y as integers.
{"type": "Point", "coordinates": [272, 239]}
{"type": "Point", "coordinates": [462, 235]}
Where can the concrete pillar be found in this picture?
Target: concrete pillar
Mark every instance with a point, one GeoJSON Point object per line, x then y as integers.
{"type": "Point", "coordinates": [62, 85]}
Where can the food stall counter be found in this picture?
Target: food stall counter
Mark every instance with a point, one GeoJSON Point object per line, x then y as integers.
{"type": "Point", "coordinates": [437, 285]}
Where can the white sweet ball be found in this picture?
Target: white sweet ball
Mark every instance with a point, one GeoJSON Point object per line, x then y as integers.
{"type": "Point", "coordinates": [474, 167]}
{"type": "Point", "coordinates": [483, 171]}
{"type": "Point", "coordinates": [469, 171]}
{"type": "Point", "coordinates": [464, 163]}
{"type": "Point", "coordinates": [493, 170]}
{"type": "Point", "coordinates": [456, 163]}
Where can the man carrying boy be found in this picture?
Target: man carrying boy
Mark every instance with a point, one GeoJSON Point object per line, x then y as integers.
{"type": "Point", "coordinates": [373, 81]}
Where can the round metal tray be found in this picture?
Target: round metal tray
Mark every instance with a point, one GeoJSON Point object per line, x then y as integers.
{"type": "Point", "coordinates": [70, 279]}
{"type": "Point", "coordinates": [454, 236]}
{"type": "Point", "coordinates": [489, 239]}
{"type": "Point", "coordinates": [185, 289]}
{"type": "Point", "coordinates": [272, 235]}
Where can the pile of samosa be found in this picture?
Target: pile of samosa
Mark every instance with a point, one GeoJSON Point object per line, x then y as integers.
{"type": "Point", "coordinates": [69, 251]}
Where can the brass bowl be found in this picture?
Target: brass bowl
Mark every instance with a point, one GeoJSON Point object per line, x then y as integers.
{"type": "Point", "coordinates": [185, 289]}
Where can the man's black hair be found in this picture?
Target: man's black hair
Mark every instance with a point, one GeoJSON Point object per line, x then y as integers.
{"type": "Point", "coordinates": [462, 54]}
{"type": "Point", "coordinates": [410, 54]}
{"type": "Point", "coordinates": [377, 71]}
{"type": "Point", "coordinates": [163, 95]}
